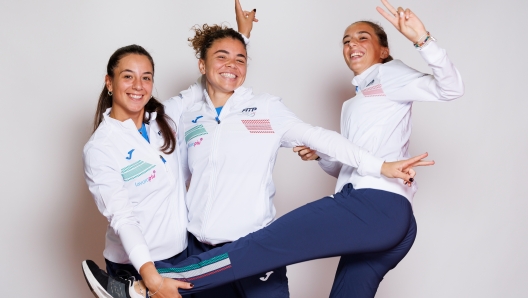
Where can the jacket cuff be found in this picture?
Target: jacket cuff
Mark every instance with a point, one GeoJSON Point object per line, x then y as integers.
{"type": "Point", "coordinates": [370, 166]}
{"type": "Point", "coordinates": [139, 256]}
{"type": "Point", "coordinates": [246, 40]}
{"type": "Point", "coordinates": [432, 52]}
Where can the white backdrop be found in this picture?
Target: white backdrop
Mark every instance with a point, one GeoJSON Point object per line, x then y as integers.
{"type": "Point", "coordinates": [471, 206]}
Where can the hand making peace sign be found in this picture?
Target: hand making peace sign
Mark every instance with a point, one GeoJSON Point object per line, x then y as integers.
{"type": "Point", "coordinates": [405, 21]}
{"type": "Point", "coordinates": [244, 19]}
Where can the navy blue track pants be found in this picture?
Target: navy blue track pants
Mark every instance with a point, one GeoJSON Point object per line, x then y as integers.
{"type": "Point", "coordinates": [372, 230]}
{"type": "Point", "coordinates": [273, 283]}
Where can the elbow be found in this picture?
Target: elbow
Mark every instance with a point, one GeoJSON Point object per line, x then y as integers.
{"type": "Point", "coordinates": [452, 94]}
{"type": "Point", "coordinates": [117, 223]}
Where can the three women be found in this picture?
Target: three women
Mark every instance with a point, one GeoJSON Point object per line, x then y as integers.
{"type": "Point", "coordinates": [372, 227]}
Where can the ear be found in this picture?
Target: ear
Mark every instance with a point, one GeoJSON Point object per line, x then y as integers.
{"type": "Point", "coordinates": [201, 66]}
{"type": "Point", "coordinates": [385, 52]}
{"type": "Point", "coordinates": [108, 83]}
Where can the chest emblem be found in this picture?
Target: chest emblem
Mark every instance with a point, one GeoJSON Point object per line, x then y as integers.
{"type": "Point", "coordinates": [129, 157]}
{"type": "Point", "coordinates": [375, 90]}
{"type": "Point", "coordinates": [194, 132]}
{"type": "Point", "coordinates": [196, 120]}
{"type": "Point", "coordinates": [249, 111]}
{"type": "Point", "coordinates": [258, 126]}
{"type": "Point", "coordinates": [135, 170]}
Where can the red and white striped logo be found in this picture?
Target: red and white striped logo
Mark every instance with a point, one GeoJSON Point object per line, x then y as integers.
{"type": "Point", "coordinates": [258, 126]}
{"type": "Point", "coordinates": [375, 90]}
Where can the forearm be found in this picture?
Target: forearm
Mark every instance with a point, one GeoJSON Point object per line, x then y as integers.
{"type": "Point", "coordinates": [134, 244]}
{"type": "Point", "coordinates": [335, 145]}
{"type": "Point", "coordinates": [329, 165]}
{"type": "Point", "coordinates": [447, 79]}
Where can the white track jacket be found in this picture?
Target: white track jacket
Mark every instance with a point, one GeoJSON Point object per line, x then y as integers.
{"type": "Point", "coordinates": [231, 159]}
{"type": "Point", "coordinates": [378, 118]}
{"type": "Point", "coordinates": [139, 189]}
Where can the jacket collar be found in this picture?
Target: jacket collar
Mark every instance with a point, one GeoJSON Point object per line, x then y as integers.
{"type": "Point", "coordinates": [359, 80]}
{"type": "Point", "coordinates": [241, 93]}
{"type": "Point", "coordinates": [127, 124]}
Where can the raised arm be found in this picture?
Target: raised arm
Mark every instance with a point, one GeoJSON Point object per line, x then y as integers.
{"type": "Point", "coordinates": [445, 84]}
{"type": "Point", "coordinates": [244, 19]}
{"type": "Point", "coordinates": [405, 21]}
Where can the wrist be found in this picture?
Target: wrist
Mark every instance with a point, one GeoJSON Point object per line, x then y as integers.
{"type": "Point", "coordinates": [150, 275]}
{"type": "Point", "coordinates": [421, 37]}
{"type": "Point", "coordinates": [383, 170]}
{"type": "Point", "coordinates": [423, 40]}
{"type": "Point", "coordinates": [245, 33]}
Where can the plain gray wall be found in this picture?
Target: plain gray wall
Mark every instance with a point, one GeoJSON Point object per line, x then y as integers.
{"type": "Point", "coordinates": [471, 206]}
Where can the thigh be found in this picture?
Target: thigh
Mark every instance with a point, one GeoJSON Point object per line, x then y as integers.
{"type": "Point", "coordinates": [359, 275]}
{"type": "Point", "coordinates": [351, 222]}
{"type": "Point", "coordinates": [196, 247]}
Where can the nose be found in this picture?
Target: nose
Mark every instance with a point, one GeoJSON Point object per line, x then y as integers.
{"type": "Point", "coordinates": [138, 84]}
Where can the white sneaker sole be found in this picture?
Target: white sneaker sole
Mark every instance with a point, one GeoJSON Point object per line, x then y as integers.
{"type": "Point", "coordinates": [94, 285]}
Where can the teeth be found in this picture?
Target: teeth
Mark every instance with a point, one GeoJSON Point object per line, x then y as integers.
{"type": "Point", "coordinates": [228, 75]}
{"type": "Point", "coordinates": [136, 96]}
{"type": "Point", "coordinates": [356, 55]}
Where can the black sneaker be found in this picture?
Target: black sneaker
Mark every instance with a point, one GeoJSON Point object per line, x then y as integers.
{"type": "Point", "coordinates": [104, 286]}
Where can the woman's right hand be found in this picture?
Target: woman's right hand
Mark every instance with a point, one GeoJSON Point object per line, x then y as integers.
{"type": "Point", "coordinates": [244, 19]}
{"type": "Point", "coordinates": [403, 169]}
{"type": "Point", "coordinates": [405, 21]}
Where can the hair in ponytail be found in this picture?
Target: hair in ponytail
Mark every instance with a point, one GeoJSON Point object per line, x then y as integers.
{"type": "Point", "coordinates": [382, 36]}
{"type": "Point", "coordinates": [153, 105]}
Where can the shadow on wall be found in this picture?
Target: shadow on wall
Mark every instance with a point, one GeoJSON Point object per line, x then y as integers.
{"type": "Point", "coordinates": [84, 226]}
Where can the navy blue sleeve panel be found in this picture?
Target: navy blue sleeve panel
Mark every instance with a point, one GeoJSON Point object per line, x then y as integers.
{"type": "Point", "coordinates": [352, 222]}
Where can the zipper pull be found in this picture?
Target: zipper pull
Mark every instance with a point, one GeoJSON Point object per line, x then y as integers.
{"type": "Point", "coordinates": [217, 120]}
{"type": "Point", "coordinates": [163, 159]}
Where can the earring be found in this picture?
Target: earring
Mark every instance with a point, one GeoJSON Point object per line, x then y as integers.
{"type": "Point", "coordinates": [110, 93]}
{"type": "Point", "coordinates": [151, 96]}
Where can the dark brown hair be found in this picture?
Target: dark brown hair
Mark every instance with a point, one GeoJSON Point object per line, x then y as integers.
{"type": "Point", "coordinates": [206, 35]}
{"type": "Point", "coordinates": [382, 36]}
{"type": "Point", "coordinates": [153, 105]}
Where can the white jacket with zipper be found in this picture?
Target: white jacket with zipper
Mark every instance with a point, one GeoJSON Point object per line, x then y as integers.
{"type": "Point", "coordinates": [378, 118]}
{"type": "Point", "coordinates": [139, 189]}
{"type": "Point", "coordinates": [231, 159]}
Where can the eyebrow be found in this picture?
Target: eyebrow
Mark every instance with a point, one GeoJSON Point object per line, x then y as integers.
{"type": "Point", "coordinates": [226, 52]}
{"type": "Point", "coordinates": [128, 70]}
{"type": "Point", "coordinates": [359, 32]}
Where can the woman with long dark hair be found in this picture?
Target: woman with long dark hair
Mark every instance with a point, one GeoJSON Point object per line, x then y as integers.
{"type": "Point", "coordinates": [133, 172]}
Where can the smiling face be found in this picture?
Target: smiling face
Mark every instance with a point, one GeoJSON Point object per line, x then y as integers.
{"type": "Point", "coordinates": [131, 86]}
{"type": "Point", "coordinates": [361, 48]}
{"type": "Point", "coordinates": [224, 66]}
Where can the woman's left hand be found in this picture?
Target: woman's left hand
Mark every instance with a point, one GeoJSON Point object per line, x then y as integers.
{"type": "Point", "coordinates": [405, 21]}
{"type": "Point", "coordinates": [244, 19]}
{"type": "Point", "coordinates": [305, 153]}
